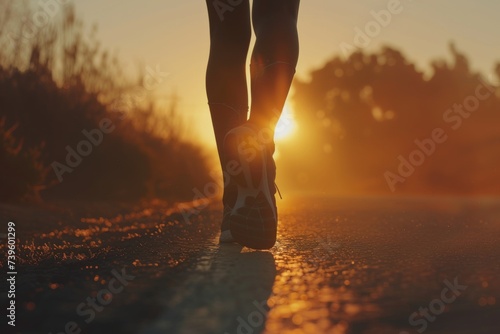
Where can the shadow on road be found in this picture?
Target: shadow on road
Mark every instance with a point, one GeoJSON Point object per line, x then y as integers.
{"type": "Point", "coordinates": [227, 293]}
{"type": "Point", "coordinates": [246, 279]}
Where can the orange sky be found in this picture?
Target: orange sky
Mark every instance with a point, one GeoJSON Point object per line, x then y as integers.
{"type": "Point", "coordinates": [174, 36]}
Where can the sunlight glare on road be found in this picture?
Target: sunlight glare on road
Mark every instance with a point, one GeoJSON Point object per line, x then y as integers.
{"type": "Point", "coordinates": [286, 124]}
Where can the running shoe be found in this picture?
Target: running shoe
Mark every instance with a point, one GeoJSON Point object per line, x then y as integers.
{"type": "Point", "coordinates": [253, 218]}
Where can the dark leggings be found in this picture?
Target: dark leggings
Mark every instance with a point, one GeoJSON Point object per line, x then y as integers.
{"type": "Point", "coordinates": [273, 62]}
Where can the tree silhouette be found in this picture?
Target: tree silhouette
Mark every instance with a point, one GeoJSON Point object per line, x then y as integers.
{"type": "Point", "coordinates": [358, 115]}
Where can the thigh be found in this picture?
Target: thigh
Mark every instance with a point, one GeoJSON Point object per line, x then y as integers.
{"type": "Point", "coordinates": [228, 19]}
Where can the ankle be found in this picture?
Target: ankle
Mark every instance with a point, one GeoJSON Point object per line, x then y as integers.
{"type": "Point", "coordinates": [264, 133]}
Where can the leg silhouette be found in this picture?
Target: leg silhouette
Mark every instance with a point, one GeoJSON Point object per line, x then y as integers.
{"type": "Point", "coordinates": [250, 213]}
{"type": "Point", "coordinates": [226, 83]}
{"type": "Point", "coordinates": [274, 58]}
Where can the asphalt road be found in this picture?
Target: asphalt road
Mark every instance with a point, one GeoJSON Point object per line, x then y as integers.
{"type": "Point", "coordinates": [372, 265]}
{"type": "Point", "coordinates": [351, 266]}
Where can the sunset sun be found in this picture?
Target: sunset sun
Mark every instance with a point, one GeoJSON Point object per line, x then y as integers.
{"type": "Point", "coordinates": [286, 124]}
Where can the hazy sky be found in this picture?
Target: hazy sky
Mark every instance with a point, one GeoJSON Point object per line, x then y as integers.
{"type": "Point", "coordinates": [174, 35]}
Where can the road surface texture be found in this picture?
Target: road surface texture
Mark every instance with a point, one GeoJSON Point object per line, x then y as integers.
{"type": "Point", "coordinates": [371, 265]}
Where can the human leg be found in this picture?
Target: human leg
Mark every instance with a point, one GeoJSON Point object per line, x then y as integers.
{"type": "Point", "coordinates": [253, 220]}
{"type": "Point", "coordinates": [274, 58]}
{"type": "Point", "coordinates": [226, 83]}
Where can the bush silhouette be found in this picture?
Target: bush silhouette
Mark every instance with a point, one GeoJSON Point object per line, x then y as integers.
{"type": "Point", "coordinates": [22, 170]}
{"type": "Point", "coordinates": [59, 84]}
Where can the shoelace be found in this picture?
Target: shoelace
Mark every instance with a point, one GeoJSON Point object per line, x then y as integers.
{"type": "Point", "coordinates": [278, 189]}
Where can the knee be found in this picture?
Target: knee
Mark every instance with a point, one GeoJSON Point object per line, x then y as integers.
{"type": "Point", "coordinates": [230, 45]}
